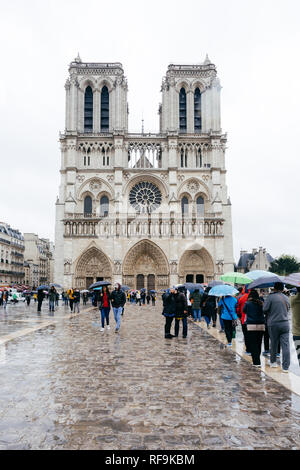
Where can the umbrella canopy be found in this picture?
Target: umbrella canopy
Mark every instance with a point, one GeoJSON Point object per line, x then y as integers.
{"type": "Point", "coordinates": [43, 287]}
{"type": "Point", "coordinates": [292, 279]}
{"type": "Point", "coordinates": [236, 278]}
{"type": "Point", "coordinates": [215, 283]}
{"type": "Point", "coordinates": [221, 291]}
{"type": "Point", "coordinates": [55, 285]}
{"type": "Point", "coordinates": [191, 286]}
{"type": "Point", "coordinates": [264, 282]}
{"type": "Point", "coordinates": [83, 291]}
{"type": "Point", "coordinates": [98, 288]}
{"type": "Point", "coordinates": [100, 283]}
{"type": "Point", "coordinates": [153, 291]}
{"type": "Point", "coordinates": [125, 288]}
{"type": "Point", "coordinates": [259, 273]}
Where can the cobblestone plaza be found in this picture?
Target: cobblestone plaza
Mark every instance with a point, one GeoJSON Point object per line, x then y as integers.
{"type": "Point", "coordinates": [66, 385]}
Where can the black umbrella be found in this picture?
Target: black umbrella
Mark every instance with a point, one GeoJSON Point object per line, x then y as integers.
{"type": "Point", "coordinates": [264, 282]}
{"type": "Point", "coordinates": [43, 287]}
{"type": "Point", "coordinates": [100, 283]}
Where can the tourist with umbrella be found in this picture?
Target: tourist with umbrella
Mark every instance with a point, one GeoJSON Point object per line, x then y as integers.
{"type": "Point", "coordinates": [40, 296]}
{"type": "Point", "coordinates": [195, 299]}
{"type": "Point", "coordinates": [104, 307]}
{"type": "Point", "coordinates": [52, 299]}
{"type": "Point", "coordinates": [276, 308]}
{"type": "Point", "coordinates": [255, 324]}
{"type": "Point", "coordinates": [227, 308]}
{"type": "Point", "coordinates": [209, 307]}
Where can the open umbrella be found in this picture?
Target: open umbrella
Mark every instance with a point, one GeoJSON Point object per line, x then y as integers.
{"type": "Point", "coordinates": [292, 279]}
{"type": "Point", "coordinates": [153, 291]}
{"type": "Point", "coordinates": [100, 283]}
{"type": "Point", "coordinates": [97, 288]}
{"type": "Point", "coordinates": [55, 285]}
{"type": "Point", "coordinates": [259, 273]}
{"type": "Point", "coordinates": [125, 288]}
{"type": "Point", "coordinates": [236, 278]}
{"type": "Point", "coordinates": [83, 291]}
{"type": "Point", "coordinates": [215, 283]}
{"type": "Point", "coordinates": [265, 282]}
{"type": "Point", "coordinates": [191, 286]}
{"type": "Point", "coordinates": [43, 287]}
{"type": "Point", "coordinates": [221, 291]}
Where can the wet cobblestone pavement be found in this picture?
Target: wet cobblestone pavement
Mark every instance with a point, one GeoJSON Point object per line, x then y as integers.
{"type": "Point", "coordinates": [69, 386]}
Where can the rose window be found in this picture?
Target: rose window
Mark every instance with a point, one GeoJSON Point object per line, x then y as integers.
{"type": "Point", "coordinates": [145, 197]}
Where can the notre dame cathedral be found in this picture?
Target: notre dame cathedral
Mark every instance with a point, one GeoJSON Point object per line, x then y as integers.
{"type": "Point", "coordinates": [145, 210]}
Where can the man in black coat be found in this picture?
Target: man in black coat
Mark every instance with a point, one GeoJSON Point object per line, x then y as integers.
{"type": "Point", "coordinates": [40, 298]}
{"type": "Point", "coordinates": [181, 312]}
{"type": "Point", "coordinates": [169, 311]}
{"type": "Point", "coordinates": [118, 300]}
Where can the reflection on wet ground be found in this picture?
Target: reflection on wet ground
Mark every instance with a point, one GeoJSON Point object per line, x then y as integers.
{"type": "Point", "coordinates": [69, 386]}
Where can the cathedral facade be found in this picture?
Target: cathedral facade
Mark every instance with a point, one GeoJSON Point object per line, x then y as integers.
{"type": "Point", "coordinates": [145, 210]}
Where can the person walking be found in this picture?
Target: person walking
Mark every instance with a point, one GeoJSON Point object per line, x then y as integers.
{"type": "Point", "coordinates": [77, 301]}
{"type": "Point", "coordinates": [52, 299]}
{"type": "Point", "coordinates": [276, 308]}
{"type": "Point", "coordinates": [104, 307]}
{"type": "Point", "coordinates": [5, 298]}
{"type": "Point", "coordinates": [40, 298]}
{"type": "Point", "coordinates": [181, 313]}
{"type": "Point", "coordinates": [241, 301]}
{"type": "Point", "coordinates": [295, 304]}
{"type": "Point", "coordinates": [255, 324]}
{"type": "Point", "coordinates": [57, 299]}
{"type": "Point", "coordinates": [138, 298]}
{"type": "Point", "coordinates": [196, 305]}
{"type": "Point", "coordinates": [209, 307]}
{"type": "Point", "coordinates": [153, 299]}
{"type": "Point", "coordinates": [70, 293]}
{"type": "Point", "coordinates": [118, 301]}
{"type": "Point", "coordinates": [28, 298]}
{"type": "Point", "coordinates": [227, 308]}
{"type": "Point", "coordinates": [143, 297]}
{"type": "Point", "coordinates": [148, 298]}
{"type": "Point", "coordinates": [169, 311]}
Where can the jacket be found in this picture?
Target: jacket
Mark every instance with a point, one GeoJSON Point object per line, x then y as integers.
{"type": "Point", "coordinates": [196, 297]}
{"type": "Point", "coordinates": [181, 305]}
{"type": "Point", "coordinates": [208, 305]}
{"type": "Point", "coordinates": [76, 297]}
{"type": "Point", "coordinates": [241, 301]}
{"type": "Point", "coordinates": [169, 305]}
{"type": "Point", "coordinates": [52, 295]}
{"type": "Point", "coordinates": [254, 313]}
{"type": "Point", "coordinates": [276, 308]}
{"type": "Point", "coordinates": [295, 303]}
{"type": "Point", "coordinates": [101, 299]}
{"type": "Point", "coordinates": [118, 298]}
{"type": "Point", "coordinates": [228, 306]}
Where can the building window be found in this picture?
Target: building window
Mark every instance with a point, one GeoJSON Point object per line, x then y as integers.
{"type": "Point", "coordinates": [104, 206]}
{"type": "Point", "coordinates": [183, 158]}
{"type": "Point", "coordinates": [182, 110]}
{"type": "Point", "coordinates": [199, 158]}
{"type": "Point", "coordinates": [104, 109]}
{"type": "Point", "coordinates": [88, 110]}
{"type": "Point", "coordinates": [184, 206]}
{"type": "Point", "coordinates": [200, 206]}
{"type": "Point", "coordinates": [197, 110]}
{"type": "Point", "coordinates": [88, 205]}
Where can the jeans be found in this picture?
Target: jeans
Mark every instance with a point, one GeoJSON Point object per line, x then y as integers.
{"type": "Point", "coordinates": [184, 326]}
{"type": "Point", "coordinates": [254, 341]}
{"type": "Point", "coordinates": [207, 319]}
{"type": "Point", "coordinates": [76, 307]}
{"type": "Point", "coordinates": [197, 314]}
{"type": "Point", "coordinates": [279, 333]}
{"type": "Point", "coordinates": [228, 329]}
{"type": "Point", "coordinates": [51, 305]}
{"type": "Point", "coordinates": [168, 325]}
{"type": "Point", "coordinates": [105, 315]}
{"type": "Point", "coordinates": [117, 315]}
{"type": "Point", "coordinates": [39, 305]}
{"type": "Point", "coordinates": [71, 304]}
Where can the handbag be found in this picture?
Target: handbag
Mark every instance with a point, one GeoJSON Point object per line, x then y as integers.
{"type": "Point", "coordinates": [234, 322]}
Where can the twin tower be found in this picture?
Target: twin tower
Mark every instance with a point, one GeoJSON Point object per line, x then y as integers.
{"type": "Point", "coordinates": [145, 210]}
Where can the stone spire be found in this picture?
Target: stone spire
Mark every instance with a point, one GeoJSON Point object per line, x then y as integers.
{"type": "Point", "coordinates": [78, 59]}
{"type": "Point", "coordinates": [207, 61]}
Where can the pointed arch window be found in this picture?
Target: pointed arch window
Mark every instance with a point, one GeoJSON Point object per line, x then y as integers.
{"type": "Point", "coordinates": [197, 110]}
{"type": "Point", "coordinates": [88, 110]}
{"type": "Point", "coordinates": [104, 109]}
{"type": "Point", "coordinates": [182, 110]}
{"type": "Point", "coordinates": [198, 158]}
{"type": "Point", "coordinates": [88, 205]}
{"type": "Point", "coordinates": [104, 206]}
{"type": "Point", "coordinates": [184, 206]}
{"type": "Point", "coordinates": [200, 206]}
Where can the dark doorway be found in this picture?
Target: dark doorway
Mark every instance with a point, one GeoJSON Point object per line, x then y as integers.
{"type": "Point", "coordinates": [199, 278]}
{"type": "Point", "coordinates": [99, 279]}
{"type": "Point", "coordinates": [89, 281]}
{"type": "Point", "coordinates": [140, 281]}
{"type": "Point", "coordinates": [151, 282]}
{"type": "Point", "coordinates": [189, 278]}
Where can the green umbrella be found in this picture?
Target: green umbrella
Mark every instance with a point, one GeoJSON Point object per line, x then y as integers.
{"type": "Point", "coordinates": [236, 278]}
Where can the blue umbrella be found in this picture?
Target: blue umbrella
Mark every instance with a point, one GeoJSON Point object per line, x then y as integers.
{"type": "Point", "coordinates": [191, 286]}
{"type": "Point", "coordinates": [43, 287]}
{"type": "Point", "coordinates": [97, 288]}
{"type": "Point", "coordinates": [259, 273]}
{"type": "Point", "coordinates": [55, 285]}
{"type": "Point", "coordinates": [264, 282]}
{"type": "Point", "coordinates": [221, 291]}
{"type": "Point", "coordinates": [125, 288]}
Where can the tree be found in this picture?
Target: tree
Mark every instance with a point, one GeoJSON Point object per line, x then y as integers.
{"type": "Point", "coordinates": [285, 265]}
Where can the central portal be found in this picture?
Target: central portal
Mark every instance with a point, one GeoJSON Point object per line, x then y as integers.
{"type": "Point", "coordinates": [145, 266]}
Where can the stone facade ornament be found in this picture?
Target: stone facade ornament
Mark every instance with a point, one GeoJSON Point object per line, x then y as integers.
{"type": "Point", "coordinates": [173, 267]}
{"type": "Point", "coordinates": [180, 177]}
{"type": "Point", "coordinates": [126, 176]}
{"type": "Point", "coordinates": [205, 177]}
{"type": "Point", "coordinates": [193, 186]}
{"type": "Point", "coordinates": [220, 265]}
{"type": "Point", "coordinates": [95, 185]}
{"type": "Point", "coordinates": [110, 178]}
{"type": "Point", "coordinates": [67, 265]}
{"type": "Point", "coordinates": [80, 178]}
{"type": "Point", "coordinates": [117, 267]}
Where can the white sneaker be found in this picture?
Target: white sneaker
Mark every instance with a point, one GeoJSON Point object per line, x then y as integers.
{"type": "Point", "coordinates": [101, 329]}
{"type": "Point", "coordinates": [285, 370]}
{"type": "Point", "coordinates": [272, 364]}
{"type": "Point", "coordinates": [107, 327]}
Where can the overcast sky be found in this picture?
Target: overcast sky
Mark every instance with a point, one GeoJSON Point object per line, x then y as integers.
{"type": "Point", "coordinates": [255, 46]}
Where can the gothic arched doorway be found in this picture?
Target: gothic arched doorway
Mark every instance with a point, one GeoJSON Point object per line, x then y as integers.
{"type": "Point", "coordinates": [93, 265]}
{"type": "Point", "coordinates": [196, 266]}
{"type": "Point", "coordinates": [147, 258]}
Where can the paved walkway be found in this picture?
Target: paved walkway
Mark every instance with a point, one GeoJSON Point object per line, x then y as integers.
{"type": "Point", "coordinates": [69, 386]}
